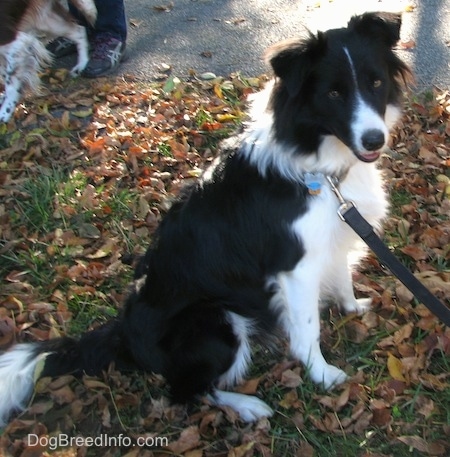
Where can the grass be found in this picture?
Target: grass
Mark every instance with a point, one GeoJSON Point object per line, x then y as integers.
{"type": "Point", "coordinates": [37, 203]}
{"type": "Point", "coordinates": [54, 200]}
{"type": "Point", "coordinates": [88, 310]}
{"type": "Point", "coordinates": [165, 150]}
{"type": "Point", "coordinates": [286, 434]}
{"type": "Point", "coordinates": [399, 197]}
{"type": "Point", "coordinates": [31, 262]}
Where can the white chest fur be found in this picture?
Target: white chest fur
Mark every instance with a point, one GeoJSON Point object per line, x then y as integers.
{"type": "Point", "coordinates": [329, 243]}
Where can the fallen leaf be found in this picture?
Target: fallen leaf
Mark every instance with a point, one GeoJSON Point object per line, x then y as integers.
{"type": "Point", "coordinates": [305, 450]}
{"type": "Point", "coordinates": [290, 400]}
{"type": "Point", "coordinates": [403, 333]}
{"type": "Point", "coordinates": [242, 450]}
{"type": "Point", "coordinates": [414, 251]}
{"type": "Point", "coordinates": [167, 8]}
{"type": "Point", "coordinates": [357, 331]}
{"type": "Point", "coordinates": [82, 113]}
{"type": "Point", "coordinates": [105, 250]}
{"type": "Point", "coordinates": [395, 368]}
{"type": "Point", "coordinates": [425, 406]}
{"type": "Point", "coordinates": [189, 439]}
{"type": "Point", "coordinates": [421, 445]}
{"type": "Point", "coordinates": [194, 453]}
{"type": "Point", "coordinates": [436, 281]}
{"type": "Point", "coordinates": [63, 395]}
{"type": "Point", "coordinates": [290, 378]}
{"type": "Point", "coordinates": [94, 383]}
{"type": "Point", "coordinates": [249, 387]}
{"type": "Point", "coordinates": [7, 331]}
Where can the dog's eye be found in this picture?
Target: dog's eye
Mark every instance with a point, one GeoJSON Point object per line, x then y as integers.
{"type": "Point", "coordinates": [377, 83]}
{"type": "Point", "coordinates": [334, 94]}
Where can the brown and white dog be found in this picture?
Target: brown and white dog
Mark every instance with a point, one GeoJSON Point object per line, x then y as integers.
{"type": "Point", "coordinates": [22, 51]}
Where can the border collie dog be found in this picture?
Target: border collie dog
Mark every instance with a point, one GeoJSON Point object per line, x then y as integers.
{"type": "Point", "coordinates": [253, 246]}
{"type": "Point", "coordinates": [23, 54]}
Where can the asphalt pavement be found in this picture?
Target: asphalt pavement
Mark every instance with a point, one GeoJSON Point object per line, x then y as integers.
{"type": "Point", "coordinates": [226, 36]}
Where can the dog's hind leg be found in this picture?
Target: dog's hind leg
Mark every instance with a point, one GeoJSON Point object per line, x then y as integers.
{"type": "Point", "coordinates": [198, 345]}
{"type": "Point", "coordinates": [208, 346]}
{"type": "Point", "coordinates": [249, 408]}
{"type": "Point", "coordinates": [347, 299]}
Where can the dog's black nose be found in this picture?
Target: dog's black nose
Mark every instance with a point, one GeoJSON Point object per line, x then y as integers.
{"type": "Point", "coordinates": [372, 140]}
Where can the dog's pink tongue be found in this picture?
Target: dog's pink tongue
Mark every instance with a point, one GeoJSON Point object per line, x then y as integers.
{"type": "Point", "coordinates": [370, 156]}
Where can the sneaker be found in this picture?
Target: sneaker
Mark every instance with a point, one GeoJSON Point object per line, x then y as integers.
{"type": "Point", "coordinates": [107, 53]}
{"type": "Point", "coordinates": [61, 47]}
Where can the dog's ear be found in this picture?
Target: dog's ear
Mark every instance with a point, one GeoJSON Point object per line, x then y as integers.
{"type": "Point", "coordinates": [293, 60]}
{"type": "Point", "coordinates": [384, 26]}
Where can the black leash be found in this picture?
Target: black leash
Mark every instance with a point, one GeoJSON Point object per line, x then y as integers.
{"type": "Point", "coordinates": [348, 213]}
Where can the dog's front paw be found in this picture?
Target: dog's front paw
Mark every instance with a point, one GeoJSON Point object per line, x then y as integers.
{"type": "Point", "coordinates": [77, 69]}
{"type": "Point", "coordinates": [358, 306]}
{"type": "Point", "coordinates": [329, 376]}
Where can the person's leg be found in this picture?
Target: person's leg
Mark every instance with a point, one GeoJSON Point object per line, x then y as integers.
{"type": "Point", "coordinates": [107, 38]}
{"type": "Point", "coordinates": [111, 19]}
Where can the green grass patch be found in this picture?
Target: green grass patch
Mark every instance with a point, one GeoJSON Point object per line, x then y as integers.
{"type": "Point", "coordinates": [399, 197]}
{"type": "Point", "coordinates": [88, 310]}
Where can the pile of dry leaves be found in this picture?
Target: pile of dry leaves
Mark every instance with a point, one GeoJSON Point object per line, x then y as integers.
{"type": "Point", "coordinates": [86, 171]}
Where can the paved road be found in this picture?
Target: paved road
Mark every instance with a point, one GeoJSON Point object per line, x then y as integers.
{"type": "Point", "coordinates": [225, 36]}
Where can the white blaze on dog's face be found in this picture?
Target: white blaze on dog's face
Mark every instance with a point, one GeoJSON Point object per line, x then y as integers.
{"type": "Point", "coordinates": [369, 131]}
{"type": "Point", "coordinates": [339, 90]}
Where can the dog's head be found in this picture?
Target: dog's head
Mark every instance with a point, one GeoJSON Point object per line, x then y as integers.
{"type": "Point", "coordinates": [343, 83]}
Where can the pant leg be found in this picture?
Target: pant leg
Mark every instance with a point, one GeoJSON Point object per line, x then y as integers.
{"type": "Point", "coordinates": [111, 19]}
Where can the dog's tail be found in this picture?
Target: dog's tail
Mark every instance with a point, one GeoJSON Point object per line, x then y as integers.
{"type": "Point", "coordinates": [24, 364]}
{"type": "Point", "coordinates": [87, 8]}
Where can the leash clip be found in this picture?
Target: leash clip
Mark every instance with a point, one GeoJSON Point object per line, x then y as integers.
{"type": "Point", "coordinates": [345, 205]}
